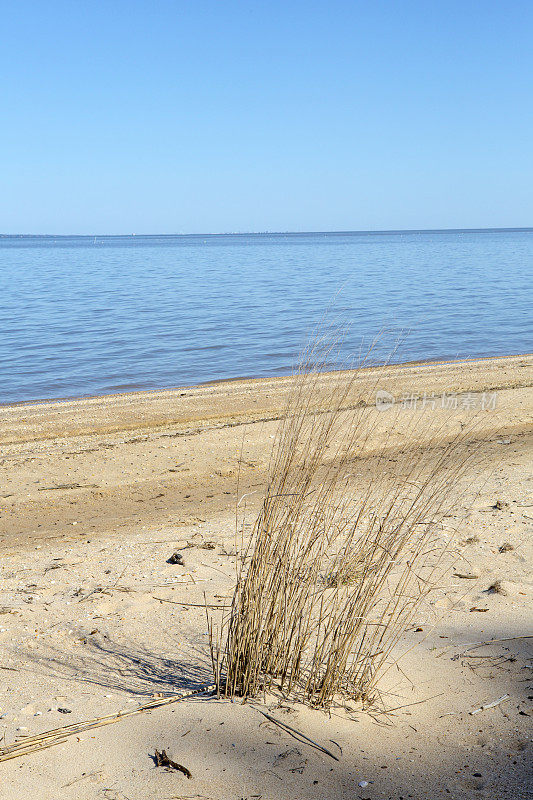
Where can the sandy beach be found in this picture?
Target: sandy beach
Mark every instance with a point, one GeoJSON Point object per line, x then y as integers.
{"type": "Point", "coordinates": [98, 493]}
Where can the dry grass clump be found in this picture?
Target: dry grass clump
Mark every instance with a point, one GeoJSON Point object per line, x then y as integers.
{"type": "Point", "coordinates": [344, 550]}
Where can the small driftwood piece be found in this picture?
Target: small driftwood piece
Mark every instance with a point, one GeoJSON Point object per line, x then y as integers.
{"type": "Point", "coordinates": [162, 760]}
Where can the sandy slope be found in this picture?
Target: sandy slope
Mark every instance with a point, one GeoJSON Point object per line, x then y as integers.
{"type": "Point", "coordinates": [92, 621]}
{"type": "Point", "coordinates": [175, 455]}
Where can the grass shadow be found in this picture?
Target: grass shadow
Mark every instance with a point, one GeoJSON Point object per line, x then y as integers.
{"type": "Point", "coordinates": [125, 666]}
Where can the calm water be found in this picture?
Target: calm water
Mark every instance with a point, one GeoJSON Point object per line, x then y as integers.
{"type": "Point", "coordinates": [84, 315]}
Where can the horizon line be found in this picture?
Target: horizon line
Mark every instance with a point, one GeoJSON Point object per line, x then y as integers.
{"type": "Point", "coordinates": [264, 233]}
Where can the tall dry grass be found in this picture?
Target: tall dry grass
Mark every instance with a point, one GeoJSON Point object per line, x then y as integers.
{"type": "Point", "coordinates": [340, 557]}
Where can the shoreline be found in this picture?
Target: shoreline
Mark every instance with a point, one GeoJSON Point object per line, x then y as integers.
{"type": "Point", "coordinates": [257, 233]}
{"type": "Point", "coordinates": [250, 378]}
{"type": "Point", "coordinates": [247, 400]}
{"type": "Point", "coordinates": [114, 462]}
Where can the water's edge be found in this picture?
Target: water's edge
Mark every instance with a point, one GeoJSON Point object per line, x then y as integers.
{"type": "Point", "coordinates": [262, 380]}
{"type": "Point", "coordinates": [83, 317]}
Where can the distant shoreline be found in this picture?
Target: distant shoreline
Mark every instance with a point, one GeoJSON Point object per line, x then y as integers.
{"type": "Point", "coordinates": [388, 232]}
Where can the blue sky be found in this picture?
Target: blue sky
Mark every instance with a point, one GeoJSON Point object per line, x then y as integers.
{"type": "Point", "coordinates": [122, 116]}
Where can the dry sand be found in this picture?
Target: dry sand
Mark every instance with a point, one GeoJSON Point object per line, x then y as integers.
{"type": "Point", "coordinates": [97, 493]}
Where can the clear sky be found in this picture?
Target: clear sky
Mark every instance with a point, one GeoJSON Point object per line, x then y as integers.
{"type": "Point", "coordinates": [160, 116]}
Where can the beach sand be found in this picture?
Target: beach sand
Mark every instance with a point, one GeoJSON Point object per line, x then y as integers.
{"type": "Point", "coordinates": [98, 493]}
